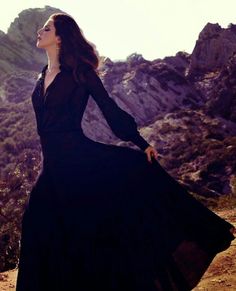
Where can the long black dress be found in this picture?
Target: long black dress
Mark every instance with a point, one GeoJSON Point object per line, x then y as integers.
{"type": "Point", "coordinates": [100, 216]}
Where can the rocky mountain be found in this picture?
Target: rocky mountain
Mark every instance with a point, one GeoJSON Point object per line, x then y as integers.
{"type": "Point", "coordinates": [221, 98]}
{"type": "Point", "coordinates": [145, 89]}
{"type": "Point", "coordinates": [215, 45]}
{"type": "Point", "coordinates": [18, 50]}
{"type": "Point", "coordinates": [184, 106]}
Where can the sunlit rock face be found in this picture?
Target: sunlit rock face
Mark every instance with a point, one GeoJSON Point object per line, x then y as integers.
{"type": "Point", "coordinates": [18, 45]}
{"type": "Point", "coordinates": [222, 96]}
{"type": "Point", "coordinates": [213, 48]}
{"type": "Point", "coordinates": [146, 89]}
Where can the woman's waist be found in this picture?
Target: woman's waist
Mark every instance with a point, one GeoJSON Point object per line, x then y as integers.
{"type": "Point", "coordinates": [53, 141]}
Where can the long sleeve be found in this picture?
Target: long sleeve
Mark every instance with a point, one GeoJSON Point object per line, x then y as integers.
{"type": "Point", "coordinates": [121, 122]}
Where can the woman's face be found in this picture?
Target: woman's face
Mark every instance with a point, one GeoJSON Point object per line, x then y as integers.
{"type": "Point", "coordinates": [47, 36]}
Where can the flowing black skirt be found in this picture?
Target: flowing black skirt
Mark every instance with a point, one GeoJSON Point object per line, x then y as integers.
{"type": "Point", "coordinates": [101, 217]}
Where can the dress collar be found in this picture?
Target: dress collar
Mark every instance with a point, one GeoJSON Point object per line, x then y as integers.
{"type": "Point", "coordinates": [62, 68]}
{"type": "Point", "coordinates": [44, 70]}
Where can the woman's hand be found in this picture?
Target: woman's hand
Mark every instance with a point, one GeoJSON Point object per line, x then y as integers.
{"type": "Point", "coordinates": [151, 152]}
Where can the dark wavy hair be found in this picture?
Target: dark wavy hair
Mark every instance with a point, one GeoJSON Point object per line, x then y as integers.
{"type": "Point", "coordinates": [76, 52]}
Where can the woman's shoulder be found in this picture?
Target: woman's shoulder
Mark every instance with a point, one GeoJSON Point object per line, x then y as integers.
{"type": "Point", "coordinates": [86, 75]}
{"type": "Point", "coordinates": [92, 75]}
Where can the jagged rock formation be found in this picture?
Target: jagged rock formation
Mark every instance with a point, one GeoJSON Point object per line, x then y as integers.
{"type": "Point", "coordinates": [145, 90]}
{"type": "Point", "coordinates": [222, 97]}
{"type": "Point", "coordinates": [213, 48]}
{"type": "Point", "coordinates": [18, 50]}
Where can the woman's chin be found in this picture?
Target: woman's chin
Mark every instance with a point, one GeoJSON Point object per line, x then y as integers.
{"type": "Point", "coordinates": [39, 45]}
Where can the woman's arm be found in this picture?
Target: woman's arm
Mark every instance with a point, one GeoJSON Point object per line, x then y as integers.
{"type": "Point", "coordinates": [121, 122]}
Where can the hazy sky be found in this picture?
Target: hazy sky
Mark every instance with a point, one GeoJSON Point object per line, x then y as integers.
{"type": "Point", "coordinates": [153, 28]}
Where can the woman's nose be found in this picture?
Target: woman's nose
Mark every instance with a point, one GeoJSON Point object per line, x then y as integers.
{"type": "Point", "coordinates": [38, 32]}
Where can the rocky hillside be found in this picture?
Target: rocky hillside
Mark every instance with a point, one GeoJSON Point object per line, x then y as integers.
{"type": "Point", "coordinates": [184, 105]}
{"type": "Point", "coordinates": [18, 50]}
{"type": "Point", "coordinates": [214, 47]}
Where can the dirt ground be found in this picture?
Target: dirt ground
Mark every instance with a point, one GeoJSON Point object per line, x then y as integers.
{"type": "Point", "coordinates": [220, 276]}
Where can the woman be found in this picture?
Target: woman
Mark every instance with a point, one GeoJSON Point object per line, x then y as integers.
{"type": "Point", "coordinates": [100, 216]}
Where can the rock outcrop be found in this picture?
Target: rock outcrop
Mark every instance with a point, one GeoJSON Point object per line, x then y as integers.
{"type": "Point", "coordinates": [222, 97]}
{"type": "Point", "coordinates": [18, 46]}
{"type": "Point", "coordinates": [213, 48]}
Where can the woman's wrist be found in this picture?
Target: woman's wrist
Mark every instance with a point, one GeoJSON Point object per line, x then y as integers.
{"type": "Point", "coordinates": [140, 142]}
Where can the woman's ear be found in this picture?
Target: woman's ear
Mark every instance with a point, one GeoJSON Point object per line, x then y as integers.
{"type": "Point", "coordinates": [58, 40]}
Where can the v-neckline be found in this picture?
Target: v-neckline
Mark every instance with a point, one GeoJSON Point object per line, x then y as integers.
{"type": "Point", "coordinates": [44, 91]}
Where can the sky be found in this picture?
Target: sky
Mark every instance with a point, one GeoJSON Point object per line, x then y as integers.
{"type": "Point", "coordinates": [119, 28]}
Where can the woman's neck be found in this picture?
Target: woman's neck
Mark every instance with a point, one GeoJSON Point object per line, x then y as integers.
{"type": "Point", "coordinates": [53, 60]}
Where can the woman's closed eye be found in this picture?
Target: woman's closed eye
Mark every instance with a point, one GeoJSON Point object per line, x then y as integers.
{"type": "Point", "coordinates": [46, 28]}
